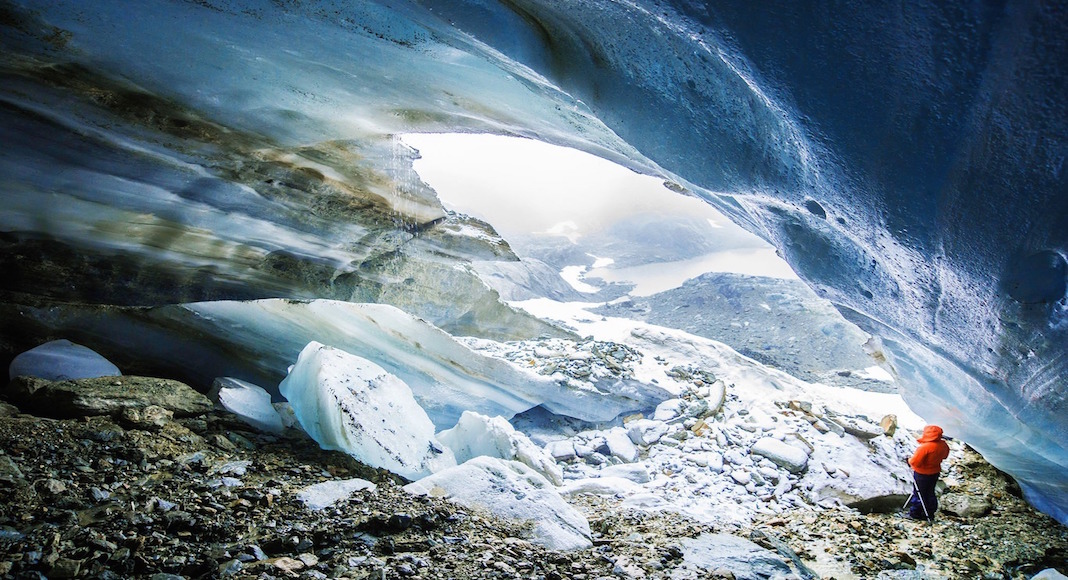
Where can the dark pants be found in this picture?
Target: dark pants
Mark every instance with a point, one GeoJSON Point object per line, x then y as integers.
{"type": "Point", "coordinates": [926, 486]}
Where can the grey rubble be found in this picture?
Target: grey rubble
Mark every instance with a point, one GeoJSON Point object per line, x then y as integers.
{"type": "Point", "coordinates": [207, 497]}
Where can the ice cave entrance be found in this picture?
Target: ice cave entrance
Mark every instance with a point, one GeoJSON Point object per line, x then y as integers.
{"type": "Point", "coordinates": [596, 221]}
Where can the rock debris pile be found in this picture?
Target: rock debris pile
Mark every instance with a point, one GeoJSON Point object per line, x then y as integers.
{"type": "Point", "coordinates": [117, 477]}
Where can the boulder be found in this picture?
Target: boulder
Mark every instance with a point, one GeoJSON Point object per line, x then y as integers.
{"type": "Point", "coordinates": [716, 396]}
{"type": "Point", "coordinates": [646, 432]}
{"type": "Point", "coordinates": [787, 456]}
{"type": "Point", "coordinates": [61, 360]}
{"type": "Point", "coordinates": [889, 425]}
{"type": "Point", "coordinates": [1049, 574]}
{"type": "Point", "coordinates": [105, 396]}
{"type": "Point", "coordinates": [561, 450]}
{"type": "Point", "coordinates": [858, 427]}
{"type": "Point", "coordinates": [249, 402]}
{"type": "Point", "coordinates": [620, 445]}
{"type": "Point", "coordinates": [964, 505]}
{"type": "Point", "coordinates": [512, 490]}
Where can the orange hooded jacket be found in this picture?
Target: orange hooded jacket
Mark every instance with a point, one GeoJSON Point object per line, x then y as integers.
{"type": "Point", "coordinates": [932, 450]}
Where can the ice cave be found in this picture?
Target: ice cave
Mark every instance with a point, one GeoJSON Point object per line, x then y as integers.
{"type": "Point", "coordinates": [200, 189]}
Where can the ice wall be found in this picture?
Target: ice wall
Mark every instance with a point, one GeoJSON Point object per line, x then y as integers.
{"type": "Point", "coordinates": [907, 157]}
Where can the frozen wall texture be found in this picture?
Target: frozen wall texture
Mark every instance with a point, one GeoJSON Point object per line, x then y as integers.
{"type": "Point", "coordinates": [906, 157]}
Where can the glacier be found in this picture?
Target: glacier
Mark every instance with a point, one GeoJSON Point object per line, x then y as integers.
{"type": "Point", "coordinates": [906, 158]}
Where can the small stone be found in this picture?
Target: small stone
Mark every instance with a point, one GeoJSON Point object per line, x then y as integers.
{"type": "Point", "coordinates": [150, 418]}
{"type": "Point", "coordinates": [308, 559]}
{"type": "Point", "coordinates": [742, 477]}
{"type": "Point", "coordinates": [9, 470]}
{"type": "Point", "coordinates": [222, 442]}
{"type": "Point", "coordinates": [51, 487]}
{"type": "Point", "coordinates": [241, 441]}
{"type": "Point", "coordinates": [65, 568]}
{"type": "Point", "coordinates": [230, 568]}
{"type": "Point", "coordinates": [399, 522]}
{"type": "Point", "coordinates": [99, 495]}
{"type": "Point", "coordinates": [287, 564]}
{"type": "Point", "coordinates": [889, 425]}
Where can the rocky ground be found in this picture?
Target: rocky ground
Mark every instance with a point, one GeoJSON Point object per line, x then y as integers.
{"type": "Point", "coordinates": [142, 495]}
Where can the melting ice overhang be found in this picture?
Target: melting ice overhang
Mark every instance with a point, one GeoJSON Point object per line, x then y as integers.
{"type": "Point", "coordinates": [907, 158]}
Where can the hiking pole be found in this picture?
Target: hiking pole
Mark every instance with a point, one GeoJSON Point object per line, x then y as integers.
{"type": "Point", "coordinates": [920, 495]}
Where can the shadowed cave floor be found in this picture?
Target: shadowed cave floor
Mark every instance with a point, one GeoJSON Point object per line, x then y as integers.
{"type": "Point", "coordinates": [204, 498]}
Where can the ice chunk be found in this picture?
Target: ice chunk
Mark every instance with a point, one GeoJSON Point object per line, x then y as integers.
{"type": "Point", "coordinates": [249, 402]}
{"type": "Point", "coordinates": [325, 494]}
{"type": "Point", "coordinates": [351, 404]}
{"type": "Point", "coordinates": [476, 435]}
{"type": "Point", "coordinates": [512, 490]}
{"type": "Point", "coordinates": [61, 360]}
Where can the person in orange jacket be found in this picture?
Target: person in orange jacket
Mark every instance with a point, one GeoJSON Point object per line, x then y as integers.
{"type": "Point", "coordinates": [926, 465]}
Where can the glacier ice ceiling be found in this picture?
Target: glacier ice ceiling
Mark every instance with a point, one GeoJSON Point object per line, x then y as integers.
{"type": "Point", "coordinates": [907, 159]}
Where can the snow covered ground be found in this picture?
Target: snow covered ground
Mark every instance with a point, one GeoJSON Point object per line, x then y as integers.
{"type": "Point", "coordinates": [733, 439]}
{"type": "Point", "coordinates": [688, 458]}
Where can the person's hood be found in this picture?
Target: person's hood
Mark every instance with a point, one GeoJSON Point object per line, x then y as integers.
{"type": "Point", "coordinates": [930, 433]}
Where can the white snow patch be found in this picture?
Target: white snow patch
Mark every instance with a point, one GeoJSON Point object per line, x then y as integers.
{"type": "Point", "coordinates": [704, 469]}
{"type": "Point", "coordinates": [599, 262]}
{"type": "Point", "coordinates": [573, 276]}
{"type": "Point", "coordinates": [601, 485]}
{"type": "Point", "coordinates": [875, 373]}
{"type": "Point", "coordinates": [649, 279]}
{"type": "Point", "coordinates": [325, 494]}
